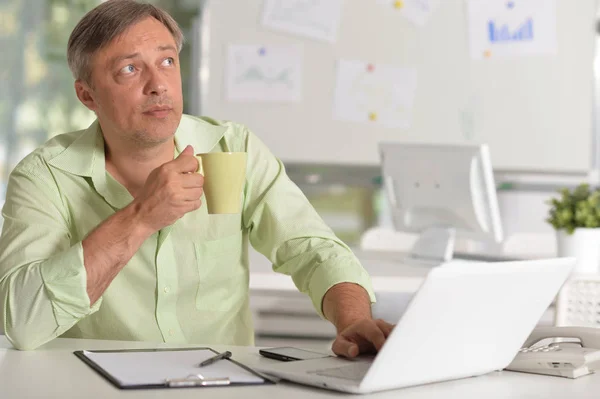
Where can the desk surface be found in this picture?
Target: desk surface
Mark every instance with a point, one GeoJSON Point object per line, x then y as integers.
{"type": "Point", "coordinates": [54, 372]}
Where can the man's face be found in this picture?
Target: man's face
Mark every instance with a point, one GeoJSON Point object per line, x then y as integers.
{"type": "Point", "coordinates": [136, 85]}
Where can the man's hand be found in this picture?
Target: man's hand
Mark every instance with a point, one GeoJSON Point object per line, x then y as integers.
{"type": "Point", "coordinates": [171, 190]}
{"type": "Point", "coordinates": [348, 307]}
{"type": "Point", "coordinates": [362, 336]}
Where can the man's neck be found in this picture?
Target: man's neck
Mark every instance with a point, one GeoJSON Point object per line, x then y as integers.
{"type": "Point", "coordinates": [131, 166]}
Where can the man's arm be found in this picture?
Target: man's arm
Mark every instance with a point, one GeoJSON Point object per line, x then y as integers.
{"type": "Point", "coordinates": [169, 193]}
{"type": "Point", "coordinates": [42, 278]}
{"type": "Point", "coordinates": [47, 284]}
{"type": "Point", "coordinates": [108, 248]}
{"type": "Point", "coordinates": [348, 307]}
{"type": "Point", "coordinates": [346, 303]}
{"type": "Point", "coordinates": [286, 229]}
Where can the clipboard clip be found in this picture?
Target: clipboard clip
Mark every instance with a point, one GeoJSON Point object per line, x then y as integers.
{"type": "Point", "coordinates": [196, 380]}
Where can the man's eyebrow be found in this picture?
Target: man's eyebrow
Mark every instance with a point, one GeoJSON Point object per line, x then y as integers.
{"type": "Point", "coordinates": [166, 47]}
{"type": "Point", "coordinates": [120, 58]}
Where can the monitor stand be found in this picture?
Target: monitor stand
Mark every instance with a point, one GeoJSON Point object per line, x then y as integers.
{"type": "Point", "coordinates": [436, 244]}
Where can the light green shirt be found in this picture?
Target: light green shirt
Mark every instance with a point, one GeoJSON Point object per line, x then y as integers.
{"type": "Point", "coordinates": [187, 283]}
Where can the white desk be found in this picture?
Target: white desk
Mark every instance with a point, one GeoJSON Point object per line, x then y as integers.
{"type": "Point", "coordinates": [281, 310]}
{"type": "Point", "coordinates": [389, 272]}
{"type": "Point", "coordinates": [54, 372]}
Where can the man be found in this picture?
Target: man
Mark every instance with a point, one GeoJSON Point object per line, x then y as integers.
{"type": "Point", "coordinates": [105, 235]}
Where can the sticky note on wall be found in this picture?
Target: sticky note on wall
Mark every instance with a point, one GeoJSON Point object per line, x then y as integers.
{"type": "Point", "coordinates": [416, 11]}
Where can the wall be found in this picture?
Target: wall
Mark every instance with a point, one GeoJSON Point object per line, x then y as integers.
{"type": "Point", "coordinates": [543, 102]}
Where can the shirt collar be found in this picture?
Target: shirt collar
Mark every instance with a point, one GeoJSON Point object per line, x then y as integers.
{"type": "Point", "coordinates": [85, 155]}
{"type": "Point", "coordinates": [85, 152]}
{"type": "Point", "coordinates": [199, 133]}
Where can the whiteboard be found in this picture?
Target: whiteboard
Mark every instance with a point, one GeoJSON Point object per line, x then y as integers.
{"type": "Point", "coordinates": [535, 112]}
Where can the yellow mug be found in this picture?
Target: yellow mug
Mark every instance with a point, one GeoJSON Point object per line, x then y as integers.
{"type": "Point", "coordinates": [224, 176]}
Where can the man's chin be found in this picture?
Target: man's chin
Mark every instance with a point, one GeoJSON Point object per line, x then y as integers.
{"type": "Point", "coordinates": [155, 135]}
{"type": "Point", "coordinates": [151, 139]}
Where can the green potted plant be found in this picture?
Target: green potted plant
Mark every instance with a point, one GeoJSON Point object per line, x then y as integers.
{"type": "Point", "coordinates": [575, 215]}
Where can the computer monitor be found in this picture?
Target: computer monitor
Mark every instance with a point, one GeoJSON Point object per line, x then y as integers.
{"type": "Point", "coordinates": [438, 191]}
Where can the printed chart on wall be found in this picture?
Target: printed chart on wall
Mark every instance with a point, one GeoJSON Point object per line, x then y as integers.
{"type": "Point", "coordinates": [512, 28]}
{"type": "Point", "coordinates": [417, 11]}
{"type": "Point", "coordinates": [378, 94]}
{"type": "Point", "coordinates": [316, 19]}
{"type": "Point", "coordinates": [264, 73]}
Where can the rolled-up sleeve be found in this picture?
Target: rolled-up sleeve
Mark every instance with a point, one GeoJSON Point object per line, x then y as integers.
{"type": "Point", "coordinates": [285, 228]}
{"type": "Point", "coordinates": [43, 281]}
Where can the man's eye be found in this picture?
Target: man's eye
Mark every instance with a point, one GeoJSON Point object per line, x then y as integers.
{"type": "Point", "coordinates": [169, 61]}
{"type": "Point", "coordinates": [128, 69]}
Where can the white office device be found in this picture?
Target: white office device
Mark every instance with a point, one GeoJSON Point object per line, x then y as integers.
{"type": "Point", "coordinates": [439, 190]}
{"type": "Point", "coordinates": [562, 359]}
{"type": "Point", "coordinates": [466, 319]}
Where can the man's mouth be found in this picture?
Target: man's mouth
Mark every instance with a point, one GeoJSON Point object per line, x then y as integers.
{"type": "Point", "coordinates": [161, 111]}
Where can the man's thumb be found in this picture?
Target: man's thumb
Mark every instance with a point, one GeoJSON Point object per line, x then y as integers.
{"type": "Point", "coordinates": [188, 150]}
{"type": "Point", "coordinates": [343, 347]}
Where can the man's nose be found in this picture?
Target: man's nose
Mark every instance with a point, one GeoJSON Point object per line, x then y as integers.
{"type": "Point", "coordinates": [156, 84]}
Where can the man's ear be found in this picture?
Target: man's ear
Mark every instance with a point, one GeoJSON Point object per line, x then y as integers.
{"type": "Point", "coordinates": [84, 94]}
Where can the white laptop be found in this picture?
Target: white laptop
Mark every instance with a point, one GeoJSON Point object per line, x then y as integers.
{"type": "Point", "coordinates": [466, 319]}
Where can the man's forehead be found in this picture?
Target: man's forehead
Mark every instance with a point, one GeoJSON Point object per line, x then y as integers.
{"type": "Point", "coordinates": [147, 30]}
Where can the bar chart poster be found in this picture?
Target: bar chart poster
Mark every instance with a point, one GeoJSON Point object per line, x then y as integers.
{"type": "Point", "coordinates": [513, 28]}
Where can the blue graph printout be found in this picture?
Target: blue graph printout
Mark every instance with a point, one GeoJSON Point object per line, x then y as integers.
{"type": "Point", "coordinates": [512, 28]}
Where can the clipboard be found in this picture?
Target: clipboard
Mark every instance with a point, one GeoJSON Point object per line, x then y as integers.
{"type": "Point", "coordinates": [168, 368]}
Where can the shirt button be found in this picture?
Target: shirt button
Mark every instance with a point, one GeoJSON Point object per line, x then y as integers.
{"type": "Point", "coordinates": [171, 332]}
{"type": "Point", "coordinates": [166, 290]}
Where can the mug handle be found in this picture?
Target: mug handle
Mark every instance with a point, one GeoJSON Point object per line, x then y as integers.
{"type": "Point", "coordinates": [200, 168]}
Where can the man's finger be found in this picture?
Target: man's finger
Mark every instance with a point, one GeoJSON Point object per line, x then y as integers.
{"type": "Point", "coordinates": [192, 180]}
{"type": "Point", "coordinates": [193, 205]}
{"type": "Point", "coordinates": [385, 327]}
{"type": "Point", "coordinates": [342, 347]}
{"type": "Point", "coordinates": [192, 194]}
{"type": "Point", "coordinates": [372, 333]}
{"type": "Point", "coordinates": [185, 162]}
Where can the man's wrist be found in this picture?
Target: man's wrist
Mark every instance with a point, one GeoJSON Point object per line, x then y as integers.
{"type": "Point", "coordinates": [345, 304]}
{"type": "Point", "coordinates": [132, 216]}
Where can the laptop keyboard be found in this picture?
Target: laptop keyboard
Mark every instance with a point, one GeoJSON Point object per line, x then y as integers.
{"type": "Point", "coordinates": [354, 371]}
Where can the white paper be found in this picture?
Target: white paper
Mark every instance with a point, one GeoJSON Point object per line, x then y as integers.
{"type": "Point", "coordinates": [316, 19]}
{"type": "Point", "coordinates": [264, 73]}
{"type": "Point", "coordinates": [377, 94]}
{"type": "Point", "coordinates": [511, 28]}
{"type": "Point", "coordinates": [417, 11]}
{"type": "Point", "coordinates": [150, 368]}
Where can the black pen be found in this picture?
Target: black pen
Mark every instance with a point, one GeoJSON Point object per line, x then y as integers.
{"type": "Point", "coordinates": [224, 355]}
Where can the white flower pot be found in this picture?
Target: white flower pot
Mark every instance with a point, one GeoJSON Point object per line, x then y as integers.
{"type": "Point", "coordinates": [583, 244]}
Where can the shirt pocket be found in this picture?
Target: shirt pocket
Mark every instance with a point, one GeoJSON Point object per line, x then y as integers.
{"type": "Point", "coordinates": [223, 278]}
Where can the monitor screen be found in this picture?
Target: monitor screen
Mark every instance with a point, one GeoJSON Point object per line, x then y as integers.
{"type": "Point", "coordinates": [439, 190]}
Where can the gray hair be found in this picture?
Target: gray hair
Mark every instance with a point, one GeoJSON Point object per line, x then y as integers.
{"type": "Point", "coordinates": [104, 23]}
